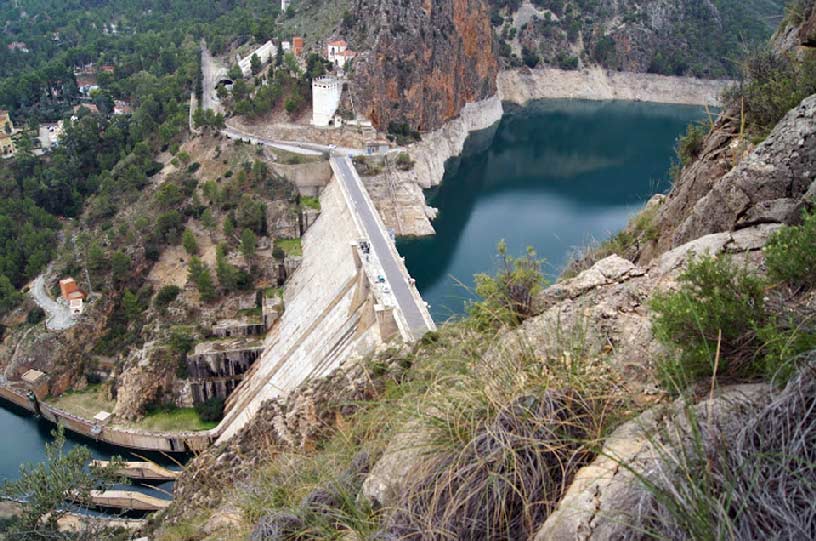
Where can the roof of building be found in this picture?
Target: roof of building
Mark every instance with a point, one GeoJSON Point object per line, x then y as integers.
{"type": "Point", "coordinates": [70, 290]}
{"type": "Point", "coordinates": [89, 106]}
{"type": "Point", "coordinates": [108, 68]}
{"type": "Point", "coordinates": [85, 79]}
{"type": "Point", "coordinates": [338, 43]}
{"type": "Point", "coordinates": [33, 376]}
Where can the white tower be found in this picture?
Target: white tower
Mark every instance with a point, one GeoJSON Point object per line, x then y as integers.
{"type": "Point", "coordinates": [326, 93]}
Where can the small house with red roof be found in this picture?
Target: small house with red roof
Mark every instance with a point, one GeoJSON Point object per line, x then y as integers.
{"type": "Point", "coordinates": [74, 296]}
{"type": "Point", "coordinates": [338, 52]}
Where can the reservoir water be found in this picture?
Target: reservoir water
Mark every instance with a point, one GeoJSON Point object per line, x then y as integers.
{"type": "Point", "coordinates": [23, 442]}
{"type": "Point", "coordinates": [556, 175]}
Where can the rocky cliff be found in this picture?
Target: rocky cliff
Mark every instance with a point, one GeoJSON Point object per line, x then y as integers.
{"type": "Point", "coordinates": [659, 36]}
{"type": "Point", "coordinates": [426, 60]}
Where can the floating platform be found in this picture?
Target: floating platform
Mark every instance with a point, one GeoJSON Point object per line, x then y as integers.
{"type": "Point", "coordinates": [127, 500]}
{"type": "Point", "coordinates": [141, 471]}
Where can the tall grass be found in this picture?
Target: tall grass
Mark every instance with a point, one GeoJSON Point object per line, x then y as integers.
{"type": "Point", "coordinates": [756, 482]}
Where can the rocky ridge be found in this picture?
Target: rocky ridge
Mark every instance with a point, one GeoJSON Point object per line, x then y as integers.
{"type": "Point", "coordinates": [426, 60]}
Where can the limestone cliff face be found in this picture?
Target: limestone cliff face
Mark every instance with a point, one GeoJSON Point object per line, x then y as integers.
{"type": "Point", "coordinates": [426, 60]}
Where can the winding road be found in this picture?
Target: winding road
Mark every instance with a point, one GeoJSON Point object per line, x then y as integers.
{"type": "Point", "coordinates": [58, 315]}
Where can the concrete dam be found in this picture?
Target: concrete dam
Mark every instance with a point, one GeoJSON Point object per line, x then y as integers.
{"type": "Point", "coordinates": [350, 294]}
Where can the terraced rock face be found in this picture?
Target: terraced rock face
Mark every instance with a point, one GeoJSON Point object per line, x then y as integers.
{"type": "Point", "coordinates": [427, 60]}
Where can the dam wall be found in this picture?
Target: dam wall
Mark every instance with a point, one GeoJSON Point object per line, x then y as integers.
{"type": "Point", "coordinates": [330, 316]}
{"type": "Point", "coordinates": [175, 442]}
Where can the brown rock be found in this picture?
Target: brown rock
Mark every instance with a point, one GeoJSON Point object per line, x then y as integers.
{"type": "Point", "coordinates": [428, 60]}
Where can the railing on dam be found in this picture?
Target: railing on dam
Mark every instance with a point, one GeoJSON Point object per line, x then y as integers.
{"type": "Point", "coordinates": [411, 312]}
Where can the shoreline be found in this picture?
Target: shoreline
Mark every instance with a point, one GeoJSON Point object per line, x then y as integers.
{"type": "Point", "coordinates": [406, 210]}
{"type": "Point", "coordinates": [521, 86]}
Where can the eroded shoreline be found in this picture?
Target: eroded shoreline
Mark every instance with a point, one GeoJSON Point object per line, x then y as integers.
{"type": "Point", "coordinates": [399, 195]}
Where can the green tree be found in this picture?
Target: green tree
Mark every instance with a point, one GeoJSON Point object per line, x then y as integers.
{"type": "Point", "coordinates": [248, 244]}
{"type": "Point", "coordinates": [120, 266]}
{"type": "Point", "coordinates": [188, 241]}
{"type": "Point", "coordinates": [95, 257]}
{"type": "Point", "coordinates": [9, 296]}
{"type": "Point", "coordinates": [207, 219]}
{"type": "Point", "coordinates": [44, 485]}
{"type": "Point", "coordinates": [229, 226]}
{"type": "Point", "coordinates": [199, 274]}
{"type": "Point", "coordinates": [255, 64]}
{"type": "Point", "coordinates": [226, 273]}
{"type": "Point", "coordinates": [132, 305]}
{"type": "Point", "coordinates": [234, 73]}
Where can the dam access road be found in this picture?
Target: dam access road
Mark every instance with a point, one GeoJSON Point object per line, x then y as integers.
{"type": "Point", "coordinates": [410, 304]}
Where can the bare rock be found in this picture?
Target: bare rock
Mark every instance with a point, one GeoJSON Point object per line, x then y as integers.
{"type": "Point", "coordinates": [599, 503]}
{"type": "Point", "coordinates": [766, 187]}
{"type": "Point", "coordinates": [391, 474]}
{"type": "Point", "coordinates": [447, 58]}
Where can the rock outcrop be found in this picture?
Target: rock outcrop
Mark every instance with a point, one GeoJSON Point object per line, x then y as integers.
{"type": "Point", "coordinates": [770, 185]}
{"type": "Point", "coordinates": [427, 60]}
{"type": "Point", "coordinates": [603, 496]}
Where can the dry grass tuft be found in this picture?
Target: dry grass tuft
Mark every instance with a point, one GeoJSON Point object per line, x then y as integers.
{"type": "Point", "coordinates": [760, 484]}
{"type": "Point", "coordinates": [509, 477]}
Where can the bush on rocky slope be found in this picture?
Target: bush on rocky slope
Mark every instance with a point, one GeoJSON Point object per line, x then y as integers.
{"type": "Point", "coordinates": [726, 320]}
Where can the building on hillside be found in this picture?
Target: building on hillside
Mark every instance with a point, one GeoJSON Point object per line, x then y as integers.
{"type": "Point", "coordinates": [18, 46]}
{"type": "Point", "coordinates": [122, 107]}
{"type": "Point", "coordinates": [265, 53]}
{"type": "Point", "coordinates": [7, 148]}
{"type": "Point", "coordinates": [72, 295]}
{"type": "Point", "coordinates": [107, 68]}
{"type": "Point", "coordinates": [297, 45]}
{"type": "Point", "coordinates": [50, 134]}
{"type": "Point", "coordinates": [86, 83]}
{"type": "Point", "coordinates": [326, 92]}
{"type": "Point", "coordinates": [285, 5]}
{"type": "Point", "coordinates": [338, 53]}
{"type": "Point", "coordinates": [286, 46]}
{"type": "Point", "coordinates": [37, 383]}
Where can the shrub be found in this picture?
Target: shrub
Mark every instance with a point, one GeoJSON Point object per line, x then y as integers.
{"type": "Point", "coordinates": [35, 315]}
{"type": "Point", "coordinates": [690, 145]}
{"type": "Point", "coordinates": [404, 162]}
{"type": "Point", "coordinates": [790, 254]}
{"type": "Point", "coordinates": [166, 295]}
{"type": "Point", "coordinates": [717, 305]}
{"type": "Point", "coordinates": [774, 84]}
{"type": "Point", "coordinates": [507, 298]}
{"type": "Point", "coordinates": [210, 411]}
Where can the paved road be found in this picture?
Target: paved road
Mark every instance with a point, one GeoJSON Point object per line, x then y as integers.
{"type": "Point", "coordinates": [380, 244]}
{"type": "Point", "coordinates": [58, 316]}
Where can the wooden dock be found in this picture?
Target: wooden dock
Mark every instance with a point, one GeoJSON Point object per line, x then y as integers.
{"type": "Point", "coordinates": [128, 500]}
{"type": "Point", "coordinates": [141, 471]}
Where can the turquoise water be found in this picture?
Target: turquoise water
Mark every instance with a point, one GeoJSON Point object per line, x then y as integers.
{"type": "Point", "coordinates": [556, 175]}
{"type": "Point", "coordinates": [23, 442]}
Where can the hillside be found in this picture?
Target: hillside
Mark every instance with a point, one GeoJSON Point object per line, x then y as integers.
{"type": "Point", "coordinates": [601, 407]}
{"type": "Point", "coordinates": [696, 38]}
